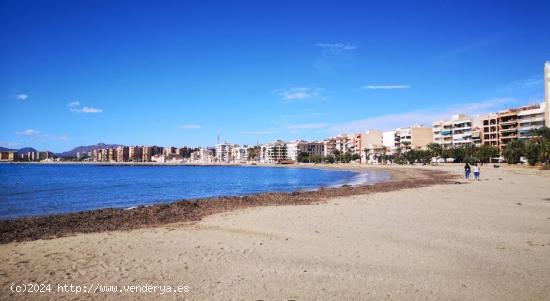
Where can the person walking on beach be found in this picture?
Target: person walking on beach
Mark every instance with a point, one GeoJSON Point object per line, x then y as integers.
{"type": "Point", "coordinates": [476, 171]}
{"type": "Point", "coordinates": [467, 171]}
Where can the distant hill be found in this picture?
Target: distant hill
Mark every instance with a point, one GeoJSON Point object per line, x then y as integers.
{"type": "Point", "coordinates": [85, 149]}
{"type": "Point", "coordinates": [21, 150]}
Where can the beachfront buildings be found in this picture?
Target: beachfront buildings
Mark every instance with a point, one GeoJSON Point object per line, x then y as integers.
{"type": "Point", "coordinates": [274, 152]}
{"type": "Point", "coordinates": [123, 154]}
{"type": "Point", "coordinates": [413, 137]}
{"type": "Point", "coordinates": [460, 130]}
{"type": "Point", "coordinates": [7, 156]}
{"type": "Point", "coordinates": [502, 127]}
{"type": "Point", "coordinates": [311, 148]}
{"type": "Point", "coordinates": [223, 152]}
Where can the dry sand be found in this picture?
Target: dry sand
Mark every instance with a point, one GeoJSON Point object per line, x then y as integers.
{"type": "Point", "coordinates": [487, 240]}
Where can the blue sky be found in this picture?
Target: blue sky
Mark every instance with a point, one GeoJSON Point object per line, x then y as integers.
{"type": "Point", "coordinates": [180, 72]}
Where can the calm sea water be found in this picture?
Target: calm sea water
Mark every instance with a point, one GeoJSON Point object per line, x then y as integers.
{"type": "Point", "coordinates": [42, 189]}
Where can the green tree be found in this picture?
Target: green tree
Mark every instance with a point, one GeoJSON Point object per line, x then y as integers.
{"type": "Point", "coordinates": [303, 157]}
{"type": "Point", "coordinates": [513, 151]}
{"type": "Point", "coordinates": [435, 149]}
{"type": "Point", "coordinates": [532, 152]}
{"type": "Point", "coordinates": [486, 152]}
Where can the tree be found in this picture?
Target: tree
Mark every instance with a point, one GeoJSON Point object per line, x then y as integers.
{"type": "Point", "coordinates": [253, 153]}
{"type": "Point", "coordinates": [435, 149]}
{"type": "Point", "coordinates": [458, 154]}
{"type": "Point", "coordinates": [486, 152]}
{"type": "Point", "coordinates": [513, 151]}
{"type": "Point", "coordinates": [303, 157]}
{"type": "Point", "coordinates": [532, 152]}
{"type": "Point", "coordinates": [337, 154]}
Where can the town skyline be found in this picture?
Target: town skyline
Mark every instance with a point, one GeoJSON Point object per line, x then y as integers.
{"type": "Point", "coordinates": [190, 73]}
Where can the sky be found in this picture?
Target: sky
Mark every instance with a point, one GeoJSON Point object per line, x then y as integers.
{"type": "Point", "coordinates": [183, 72]}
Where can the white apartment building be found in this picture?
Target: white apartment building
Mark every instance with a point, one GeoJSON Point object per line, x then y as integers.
{"type": "Point", "coordinates": [529, 120]}
{"type": "Point", "coordinates": [239, 153]}
{"type": "Point", "coordinates": [274, 152]}
{"type": "Point", "coordinates": [313, 148]}
{"type": "Point", "coordinates": [202, 155]}
{"type": "Point", "coordinates": [456, 132]}
{"type": "Point", "coordinates": [388, 140]}
{"type": "Point", "coordinates": [224, 152]}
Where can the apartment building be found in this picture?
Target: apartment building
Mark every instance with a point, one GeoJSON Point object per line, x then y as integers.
{"type": "Point", "coordinates": [312, 148]}
{"type": "Point", "coordinates": [7, 156]}
{"type": "Point", "coordinates": [490, 130]}
{"type": "Point", "coordinates": [413, 137]}
{"type": "Point", "coordinates": [135, 153]}
{"type": "Point", "coordinates": [501, 128]}
{"type": "Point", "coordinates": [342, 143]}
{"type": "Point", "coordinates": [147, 153]}
{"type": "Point", "coordinates": [274, 152]}
{"type": "Point", "coordinates": [388, 140]}
{"type": "Point", "coordinates": [530, 119]}
{"type": "Point", "coordinates": [123, 154]}
{"type": "Point", "coordinates": [224, 153]}
{"type": "Point", "coordinates": [456, 132]}
{"type": "Point", "coordinates": [239, 153]}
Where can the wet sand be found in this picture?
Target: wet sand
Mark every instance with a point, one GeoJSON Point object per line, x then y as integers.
{"type": "Point", "coordinates": [487, 240]}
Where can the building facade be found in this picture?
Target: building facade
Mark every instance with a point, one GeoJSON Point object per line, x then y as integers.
{"type": "Point", "coordinates": [274, 152]}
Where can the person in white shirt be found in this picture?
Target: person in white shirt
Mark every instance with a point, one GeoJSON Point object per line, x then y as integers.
{"type": "Point", "coordinates": [476, 171]}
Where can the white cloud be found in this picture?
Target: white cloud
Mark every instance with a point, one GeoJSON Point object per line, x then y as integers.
{"type": "Point", "coordinates": [91, 110]}
{"type": "Point", "coordinates": [336, 46]}
{"type": "Point", "coordinates": [28, 132]}
{"type": "Point", "coordinates": [190, 126]}
{"type": "Point", "coordinates": [75, 108]}
{"type": "Point", "coordinates": [35, 134]}
{"type": "Point", "coordinates": [300, 93]}
{"type": "Point", "coordinates": [386, 87]}
{"type": "Point", "coordinates": [22, 96]}
{"type": "Point", "coordinates": [425, 117]}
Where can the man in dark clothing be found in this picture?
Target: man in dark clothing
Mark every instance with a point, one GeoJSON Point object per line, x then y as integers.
{"type": "Point", "coordinates": [467, 171]}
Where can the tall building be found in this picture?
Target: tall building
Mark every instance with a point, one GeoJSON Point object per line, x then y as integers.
{"type": "Point", "coordinates": [501, 128]}
{"type": "Point", "coordinates": [123, 154]}
{"type": "Point", "coordinates": [388, 140]}
{"type": "Point", "coordinates": [456, 132]}
{"type": "Point", "coordinates": [531, 119]}
{"type": "Point", "coordinates": [274, 152]}
{"type": "Point", "coordinates": [147, 153]}
{"type": "Point", "coordinates": [413, 137]}
{"type": "Point", "coordinates": [313, 148]}
{"type": "Point", "coordinates": [547, 92]}
{"type": "Point", "coordinates": [7, 156]}
{"type": "Point", "coordinates": [224, 153]}
{"type": "Point", "coordinates": [135, 153]}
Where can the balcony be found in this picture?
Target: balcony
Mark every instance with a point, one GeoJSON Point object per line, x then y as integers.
{"type": "Point", "coordinates": [507, 122]}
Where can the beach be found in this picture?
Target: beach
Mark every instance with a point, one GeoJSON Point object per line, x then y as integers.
{"type": "Point", "coordinates": [450, 240]}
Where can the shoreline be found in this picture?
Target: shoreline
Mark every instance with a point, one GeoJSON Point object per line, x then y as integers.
{"type": "Point", "coordinates": [112, 219]}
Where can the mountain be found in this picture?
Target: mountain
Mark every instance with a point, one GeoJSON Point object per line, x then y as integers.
{"type": "Point", "coordinates": [21, 150]}
{"type": "Point", "coordinates": [85, 149]}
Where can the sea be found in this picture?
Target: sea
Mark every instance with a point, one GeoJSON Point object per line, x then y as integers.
{"type": "Point", "coordinates": [46, 189]}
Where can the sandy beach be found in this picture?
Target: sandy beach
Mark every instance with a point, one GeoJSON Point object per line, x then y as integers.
{"type": "Point", "coordinates": [486, 240]}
